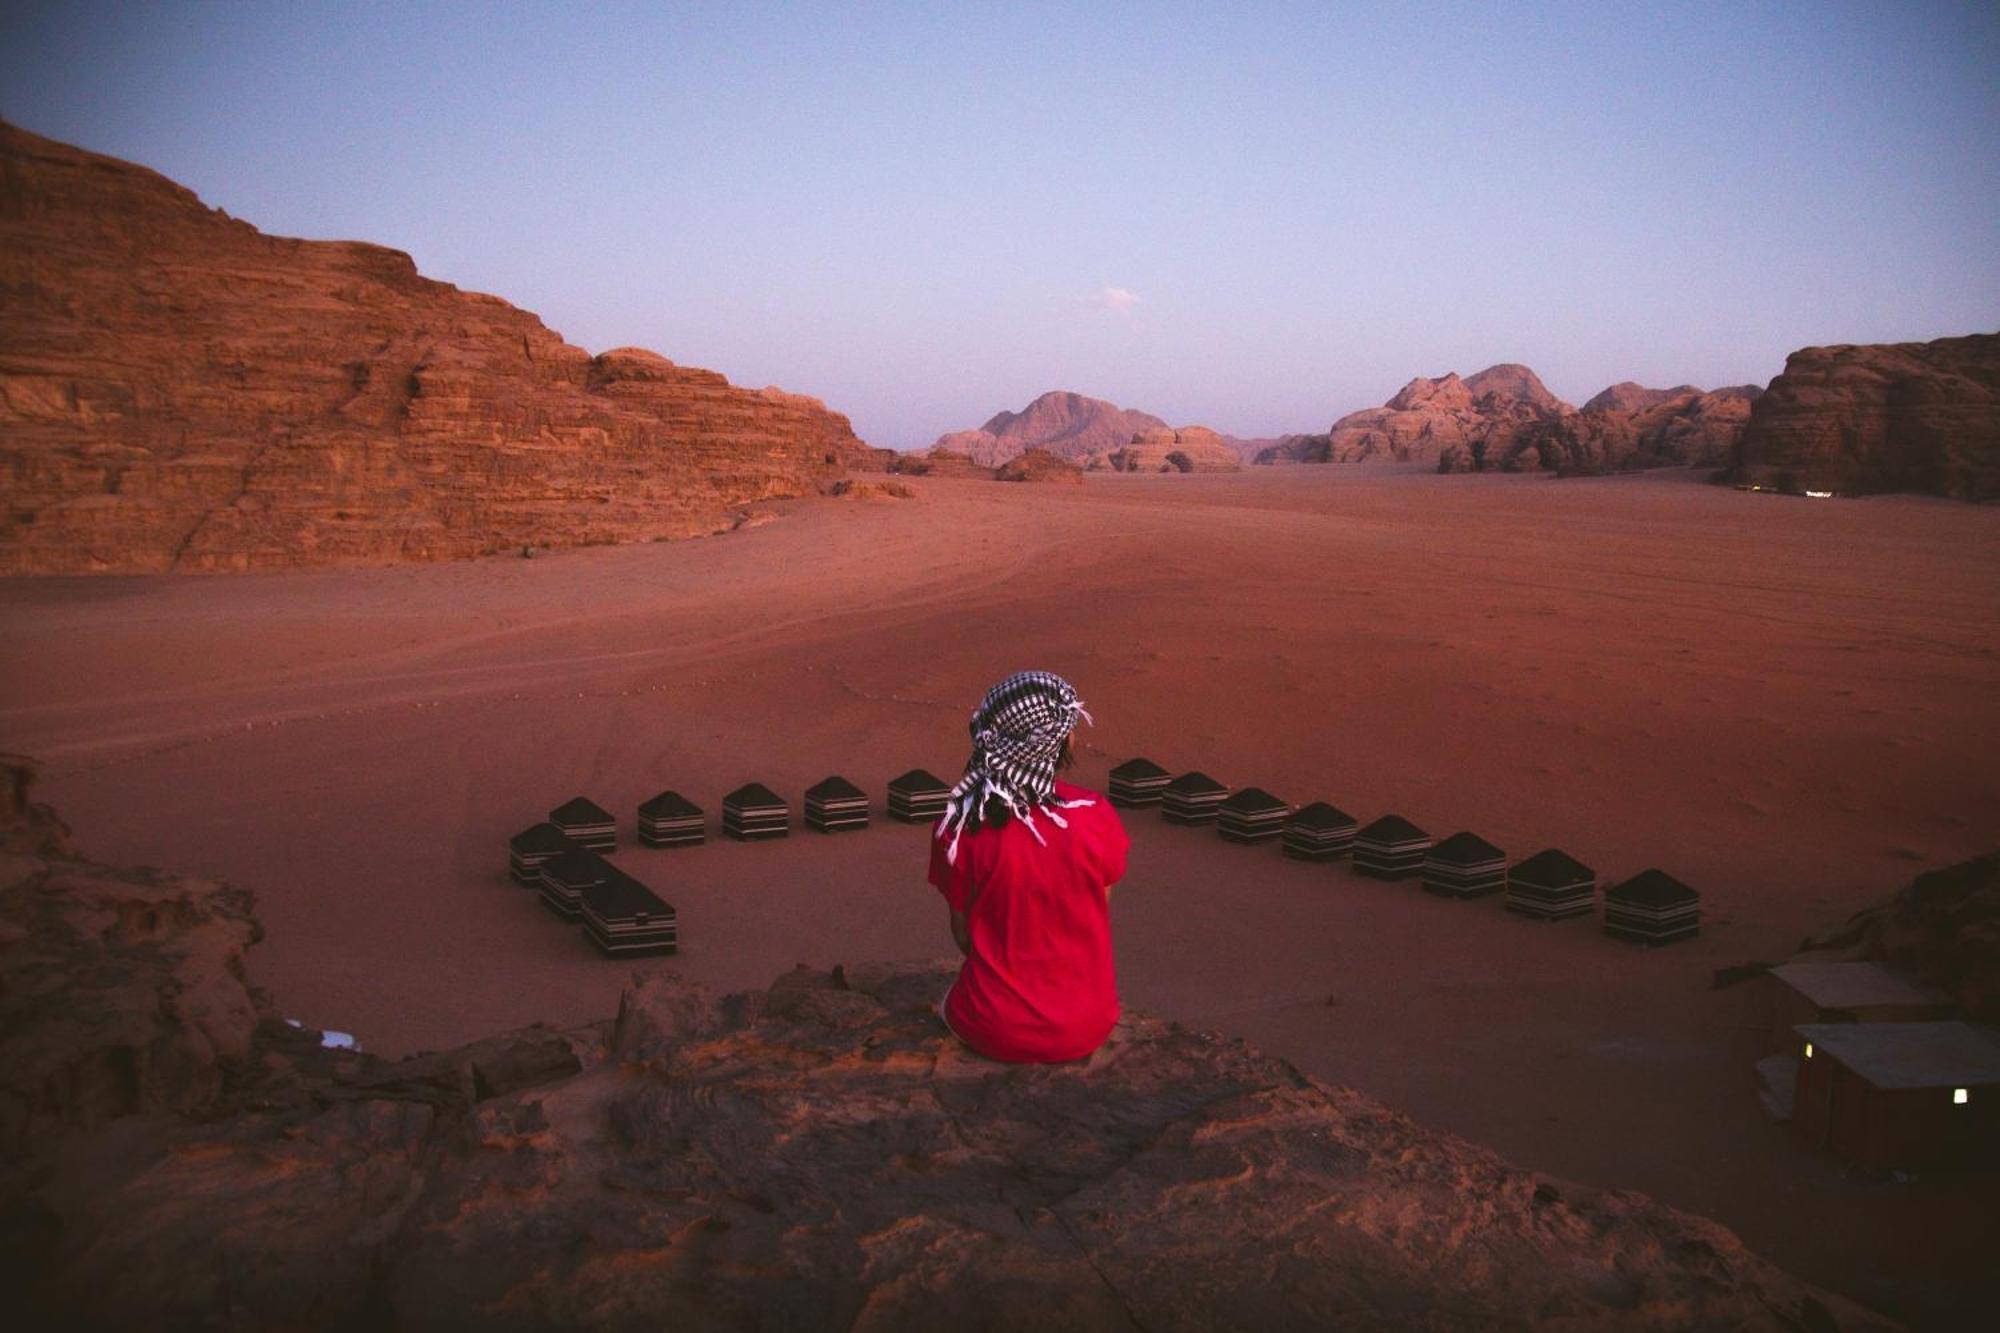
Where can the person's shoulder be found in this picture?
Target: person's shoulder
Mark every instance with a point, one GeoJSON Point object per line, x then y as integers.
{"type": "Point", "coordinates": [1100, 808]}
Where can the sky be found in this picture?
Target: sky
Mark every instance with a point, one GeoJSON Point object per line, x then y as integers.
{"type": "Point", "coordinates": [1251, 217]}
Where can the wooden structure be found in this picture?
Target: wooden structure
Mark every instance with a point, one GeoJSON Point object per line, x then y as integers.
{"type": "Point", "coordinates": [1888, 1097]}
{"type": "Point", "coordinates": [1391, 848]}
{"type": "Point", "coordinates": [528, 849]}
{"type": "Point", "coordinates": [1843, 991]}
{"type": "Point", "coordinates": [1319, 832]}
{"type": "Point", "coordinates": [625, 919]}
{"type": "Point", "coordinates": [586, 823]}
{"type": "Point", "coordinates": [754, 811]}
{"type": "Point", "coordinates": [671, 820]}
{"type": "Point", "coordinates": [1192, 798]}
{"type": "Point", "coordinates": [1138, 782]}
{"type": "Point", "coordinates": [917, 797]}
{"type": "Point", "coordinates": [1465, 865]}
{"type": "Point", "coordinates": [835, 805]}
{"type": "Point", "coordinates": [1251, 815]}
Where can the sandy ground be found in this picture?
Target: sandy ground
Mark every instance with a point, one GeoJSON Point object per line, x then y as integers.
{"type": "Point", "coordinates": [1792, 705]}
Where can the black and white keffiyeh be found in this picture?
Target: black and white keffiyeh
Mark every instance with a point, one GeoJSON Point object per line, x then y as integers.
{"type": "Point", "coordinates": [1017, 736]}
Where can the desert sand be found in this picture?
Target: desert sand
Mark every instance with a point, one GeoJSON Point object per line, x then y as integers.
{"type": "Point", "coordinates": [1792, 705]}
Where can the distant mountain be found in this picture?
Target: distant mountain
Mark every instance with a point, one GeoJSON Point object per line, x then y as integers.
{"type": "Point", "coordinates": [1066, 424]}
{"type": "Point", "coordinates": [1629, 397]}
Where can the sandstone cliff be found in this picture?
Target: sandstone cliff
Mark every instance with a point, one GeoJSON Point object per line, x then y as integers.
{"type": "Point", "coordinates": [1066, 424]}
{"type": "Point", "coordinates": [818, 1155]}
{"type": "Point", "coordinates": [1884, 417]}
{"type": "Point", "coordinates": [180, 391]}
{"type": "Point", "coordinates": [1163, 449]}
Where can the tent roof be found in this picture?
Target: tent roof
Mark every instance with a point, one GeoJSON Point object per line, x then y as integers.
{"type": "Point", "coordinates": [1320, 815]}
{"type": "Point", "coordinates": [1464, 849]}
{"type": "Point", "coordinates": [580, 810]}
{"type": "Point", "coordinates": [620, 896]}
{"type": "Point", "coordinates": [668, 804]}
{"type": "Point", "coordinates": [1255, 801]}
{"type": "Point", "coordinates": [835, 787]}
{"type": "Point", "coordinates": [1552, 865]}
{"type": "Point", "coordinates": [581, 866]}
{"type": "Point", "coordinates": [1138, 768]}
{"type": "Point", "coordinates": [1196, 783]}
{"type": "Point", "coordinates": [1392, 828]}
{"type": "Point", "coordinates": [1651, 888]}
{"type": "Point", "coordinates": [540, 838]}
{"type": "Point", "coordinates": [752, 793]}
{"type": "Point", "coordinates": [919, 779]}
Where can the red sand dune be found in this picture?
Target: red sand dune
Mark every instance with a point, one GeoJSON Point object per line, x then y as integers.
{"type": "Point", "coordinates": [1789, 704]}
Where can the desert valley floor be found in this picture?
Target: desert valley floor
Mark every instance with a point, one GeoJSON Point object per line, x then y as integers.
{"type": "Point", "coordinates": [1793, 706]}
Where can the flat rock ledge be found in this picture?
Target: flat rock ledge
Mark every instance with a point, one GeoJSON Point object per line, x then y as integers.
{"type": "Point", "coordinates": [818, 1155]}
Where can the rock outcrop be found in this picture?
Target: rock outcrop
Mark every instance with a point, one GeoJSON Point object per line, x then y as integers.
{"type": "Point", "coordinates": [1655, 428]}
{"type": "Point", "coordinates": [1882, 417]}
{"type": "Point", "coordinates": [180, 391]}
{"type": "Point", "coordinates": [940, 462]}
{"type": "Point", "coordinates": [818, 1155]}
{"type": "Point", "coordinates": [1066, 424]}
{"type": "Point", "coordinates": [1478, 415]}
{"type": "Point", "coordinates": [1944, 929]}
{"type": "Point", "coordinates": [1163, 449]}
{"type": "Point", "coordinates": [1039, 465]}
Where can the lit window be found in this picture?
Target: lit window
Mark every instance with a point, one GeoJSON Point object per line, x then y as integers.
{"type": "Point", "coordinates": [1960, 1096]}
{"type": "Point", "coordinates": [1808, 1050]}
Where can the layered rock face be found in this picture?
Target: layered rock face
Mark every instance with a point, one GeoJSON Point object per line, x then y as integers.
{"type": "Point", "coordinates": [180, 391]}
{"type": "Point", "coordinates": [1884, 417]}
{"type": "Point", "coordinates": [1189, 449]}
{"type": "Point", "coordinates": [818, 1155]}
{"type": "Point", "coordinates": [1479, 414]}
{"type": "Point", "coordinates": [1066, 424]}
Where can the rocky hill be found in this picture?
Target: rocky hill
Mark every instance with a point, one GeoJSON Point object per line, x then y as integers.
{"type": "Point", "coordinates": [1428, 417]}
{"type": "Point", "coordinates": [180, 391]}
{"type": "Point", "coordinates": [1066, 424]}
{"type": "Point", "coordinates": [1881, 417]}
{"type": "Point", "coordinates": [1636, 428]}
{"type": "Point", "coordinates": [817, 1155]}
{"type": "Point", "coordinates": [1164, 449]}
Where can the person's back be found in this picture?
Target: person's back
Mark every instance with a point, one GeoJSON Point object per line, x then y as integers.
{"type": "Point", "coordinates": [1038, 982]}
{"type": "Point", "coordinates": [1026, 865]}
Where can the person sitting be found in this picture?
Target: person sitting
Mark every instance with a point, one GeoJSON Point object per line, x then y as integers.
{"type": "Point", "coordinates": [1026, 864]}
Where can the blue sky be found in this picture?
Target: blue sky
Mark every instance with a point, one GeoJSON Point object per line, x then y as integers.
{"type": "Point", "coordinates": [1254, 217]}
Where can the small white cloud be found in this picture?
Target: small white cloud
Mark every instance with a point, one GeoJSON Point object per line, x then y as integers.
{"type": "Point", "coordinates": [1112, 298]}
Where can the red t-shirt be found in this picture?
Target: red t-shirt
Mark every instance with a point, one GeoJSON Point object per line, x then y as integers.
{"type": "Point", "coordinates": [1038, 985]}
